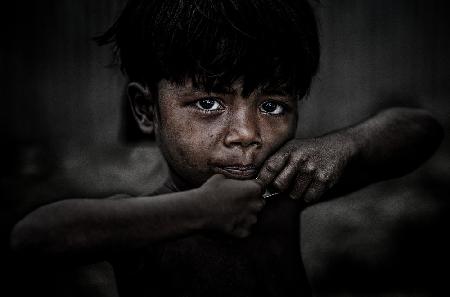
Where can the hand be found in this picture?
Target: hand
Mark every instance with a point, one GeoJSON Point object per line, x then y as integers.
{"type": "Point", "coordinates": [231, 205]}
{"type": "Point", "coordinates": [308, 167]}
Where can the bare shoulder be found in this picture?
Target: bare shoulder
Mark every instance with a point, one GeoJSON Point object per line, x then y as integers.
{"type": "Point", "coordinates": [386, 237]}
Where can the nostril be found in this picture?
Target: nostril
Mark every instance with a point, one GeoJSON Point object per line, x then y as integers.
{"type": "Point", "coordinates": [253, 143]}
{"type": "Point", "coordinates": [235, 140]}
{"type": "Point", "coordinates": [243, 130]}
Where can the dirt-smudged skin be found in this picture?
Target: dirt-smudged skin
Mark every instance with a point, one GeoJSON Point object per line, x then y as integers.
{"type": "Point", "coordinates": [233, 136]}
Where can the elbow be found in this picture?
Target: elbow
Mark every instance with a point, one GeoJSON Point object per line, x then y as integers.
{"type": "Point", "coordinates": [54, 231]}
{"type": "Point", "coordinates": [26, 238]}
{"type": "Point", "coordinates": [36, 235]}
{"type": "Point", "coordinates": [426, 127]}
{"type": "Point", "coordinates": [22, 238]}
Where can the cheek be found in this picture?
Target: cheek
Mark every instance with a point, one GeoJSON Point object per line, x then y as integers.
{"type": "Point", "coordinates": [276, 134]}
{"type": "Point", "coordinates": [186, 142]}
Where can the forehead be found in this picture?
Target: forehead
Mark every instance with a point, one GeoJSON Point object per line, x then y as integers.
{"type": "Point", "coordinates": [187, 87]}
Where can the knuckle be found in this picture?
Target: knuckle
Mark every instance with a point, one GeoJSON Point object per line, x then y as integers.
{"type": "Point", "coordinates": [272, 166]}
{"type": "Point", "coordinates": [311, 195]}
{"type": "Point", "coordinates": [298, 157]}
{"type": "Point", "coordinates": [280, 184]}
{"type": "Point", "coordinates": [322, 176]}
{"type": "Point", "coordinates": [310, 167]}
{"type": "Point", "coordinates": [276, 162]}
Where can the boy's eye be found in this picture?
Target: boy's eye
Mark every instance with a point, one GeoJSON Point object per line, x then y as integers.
{"type": "Point", "coordinates": [272, 107]}
{"type": "Point", "coordinates": [208, 104]}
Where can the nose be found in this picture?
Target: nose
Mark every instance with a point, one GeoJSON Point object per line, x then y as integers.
{"type": "Point", "coordinates": [243, 130]}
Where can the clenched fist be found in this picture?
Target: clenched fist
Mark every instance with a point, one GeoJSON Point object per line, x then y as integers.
{"type": "Point", "coordinates": [232, 206]}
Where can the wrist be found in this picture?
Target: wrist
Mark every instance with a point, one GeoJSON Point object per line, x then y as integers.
{"type": "Point", "coordinates": [352, 142]}
{"type": "Point", "coordinates": [202, 216]}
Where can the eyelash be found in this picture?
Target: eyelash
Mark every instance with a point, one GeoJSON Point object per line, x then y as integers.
{"type": "Point", "coordinates": [278, 104]}
{"type": "Point", "coordinates": [196, 105]}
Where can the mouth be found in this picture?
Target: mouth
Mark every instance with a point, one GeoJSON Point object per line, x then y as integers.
{"type": "Point", "coordinates": [238, 171]}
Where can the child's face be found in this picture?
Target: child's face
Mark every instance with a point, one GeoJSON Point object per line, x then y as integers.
{"type": "Point", "coordinates": [202, 133]}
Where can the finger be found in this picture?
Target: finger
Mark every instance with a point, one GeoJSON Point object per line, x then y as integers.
{"type": "Point", "coordinates": [302, 182]}
{"type": "Point", "coordinates": [284, 179]}
{"type": "Point", "coordinates": [272, 168]}
{"type": "Point", "coordinates": [241, 233]}
{"type": "Point", "coordinates": [252, 220]}
{"type": "Point", "coordinates": [261, 204]}
{"type": "Point", "coordinates": [247, 225]}
{"type": "Point", "coordinates": [258, 205]}
{"type": "Point", "coordinates": [253, 186]}
{"type": "Point", "coordinates": [314, 191]}
{"type": "Point", "coordinates": [259, 183]}
{"type": "Point", "coordinates": [243, 229]}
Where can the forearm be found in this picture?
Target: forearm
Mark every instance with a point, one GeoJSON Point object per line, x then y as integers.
{"type": "Point", "coordinates": [95, 228]}
{"type": "Point", "coordinates": [391, 143]}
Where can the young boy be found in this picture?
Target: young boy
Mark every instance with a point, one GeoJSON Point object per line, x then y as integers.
{"type": "Point", "coordinates": [217, 83]}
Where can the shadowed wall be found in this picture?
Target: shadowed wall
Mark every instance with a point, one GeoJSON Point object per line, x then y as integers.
{"type": "Point", "coordinates": [56, 88]}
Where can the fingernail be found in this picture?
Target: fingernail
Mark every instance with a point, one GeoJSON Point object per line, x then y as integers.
{"type": "Point", "coordinates": [309, 199]}
{"type": "Point", "coordinates": [293, 197]}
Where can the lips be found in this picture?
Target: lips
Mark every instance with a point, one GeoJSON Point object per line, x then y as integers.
{"type": "Point", "coordinates": [238, 171]}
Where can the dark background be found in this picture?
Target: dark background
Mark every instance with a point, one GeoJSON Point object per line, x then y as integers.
{"type": "Point", "coordinates": [65, 131]}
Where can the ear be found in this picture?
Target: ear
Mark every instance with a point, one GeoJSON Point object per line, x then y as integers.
{"type": "Point", "coordinates": [143, 106]}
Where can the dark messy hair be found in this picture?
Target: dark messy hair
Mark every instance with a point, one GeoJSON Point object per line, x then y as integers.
{"type": "Point", "coordinates": [268, 43]}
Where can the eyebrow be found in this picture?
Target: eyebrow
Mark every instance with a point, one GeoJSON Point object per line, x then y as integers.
{"type": "Point", "coordinates": [282, 93]}
{"type": "Point", "coordinates": [219, 89]}
{"type": "Point", "coordinates": [268, 91]}
{"type": "Point", "coordinates": [201, 91]}
{"type": "Point", "coordinates": [272, 91]}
